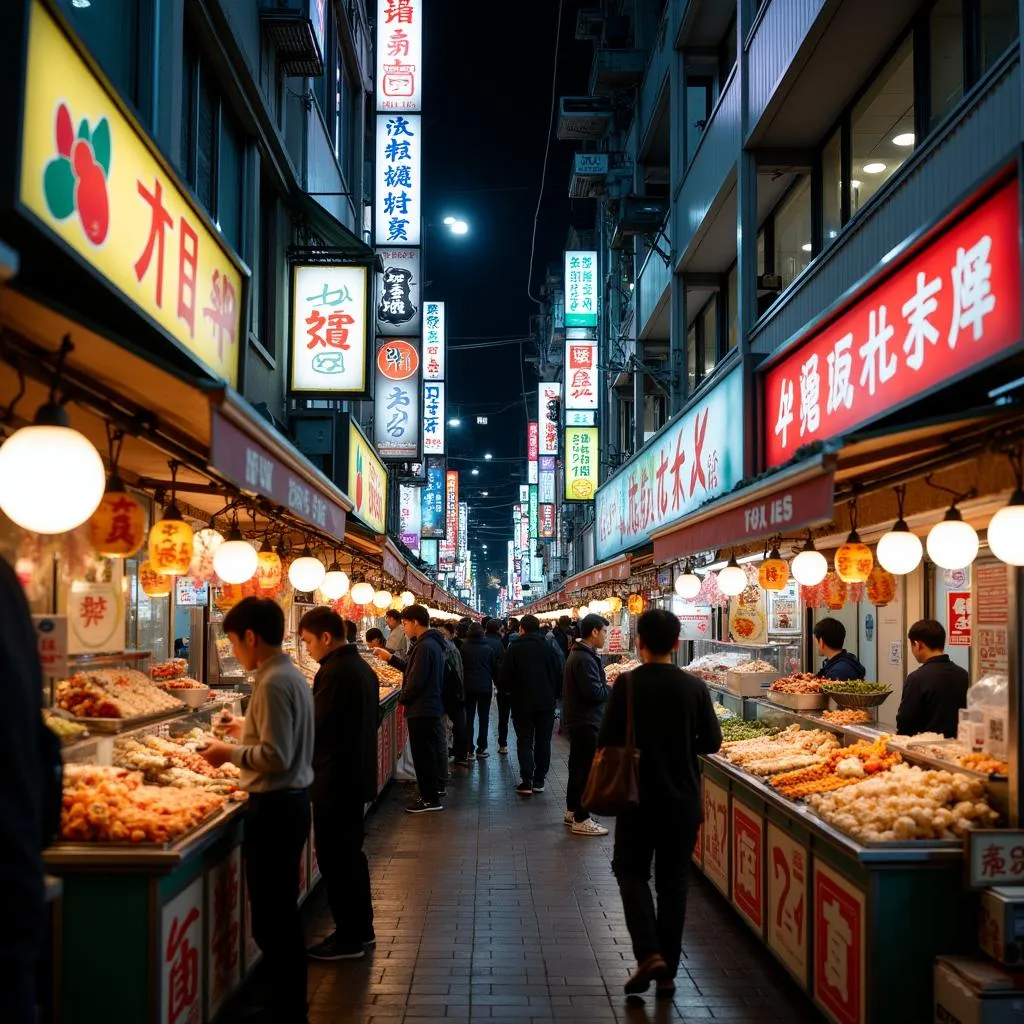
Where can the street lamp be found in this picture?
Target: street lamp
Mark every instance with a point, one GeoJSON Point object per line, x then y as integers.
{"type": "Point", "coordinates": [456, 225]}
{"type": "Point", "coordinates": [485, 494]}
{"type": "Point", "coordinates": [475, 471]}
{"type": "Point", "coordinates": [455, 423]}
{"type": "Point", "coordinates": [488, 456]}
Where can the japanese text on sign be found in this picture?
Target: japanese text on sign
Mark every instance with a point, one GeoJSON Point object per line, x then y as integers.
{"type": "Point", "coordinates": [548, 416]}
{"type": "Point", "coordinates": [580, 288]}
{"type": "Point", "coordinates": [958, 609]}
{"type": "Point", "coordinates": [397, 193]}
{"type": "Point", "coordinates": [747, 847]}
{"type": "Point", "coordinates": [581, 468]}
{"type": "Point", "coordinates": [716, 834]}
{"type": "Point", "coordinates": [995, 857]}
{"type": "Point", "coordinates": [399, 54]}
{"type": "Point", "coordinates": [181, 930]}
{"type": "Point", "coordinates": [432, 505]}
{"type": "Point", "coordinates": [532, 442]}
{"type": "Point", "coordinates": [991, 619]}
{"type": "Point", "coordinates": [546, 527]}
{"type": "Point", "coordinates": [433, 417]}
{"type": "Point", "coordinates": [398, 293]}
{"type": "Point", "coordinates": [433, 341]}
{"type": "Point", "coordinates": [546, 480]}
{"type": "Point", "coordinates": [409, 516]}
{"type": "Point", "coordinates": [52, 642]}
{"type": "Point", "coordinates": [953, 305]}
{"type": "Point", "coordinates": [396, 403]}
{"type": "Point", "coordinates": [581, 380]}
{"type": "Point", "coordinates": [787, 901]}
{"type": "Point", "coordinates": [838, 946]}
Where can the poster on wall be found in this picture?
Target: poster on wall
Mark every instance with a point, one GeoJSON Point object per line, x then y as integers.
{"type": "Point", "coordinates": [991, 618]}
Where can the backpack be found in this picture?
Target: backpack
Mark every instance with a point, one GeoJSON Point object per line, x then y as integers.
{"type": "Point", "coordinates": [454, 688]}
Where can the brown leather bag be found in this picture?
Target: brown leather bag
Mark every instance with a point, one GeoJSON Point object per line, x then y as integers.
{"type": "Point", "coordinates": [613, 785]}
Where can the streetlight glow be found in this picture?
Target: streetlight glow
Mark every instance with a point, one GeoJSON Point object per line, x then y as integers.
{"type": "Point", "coordinates": [449, 221]}
{"type": "Point", "coordinates": [455, 423]}
{"type": "Point", "coordinates": [460, 227]}
{"type": "Point", "coordinates": [485, 494]}
{"type": "Point", "coordinates": [488, 456]}
{"type": "Point", "coordinates": [475, 471]}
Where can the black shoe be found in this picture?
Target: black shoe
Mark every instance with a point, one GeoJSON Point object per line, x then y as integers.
{"type": "Point", "coordinates": [525, 788]}
{"type": "Point", "coordinates": [538, 787]}
{"type": "Point", "coordinates": [422, 806]}
{"type": "Point", "coordinates": [371, 940]}
{"type": "Point", "coordinates": [334, 949]}
{"type": "Point", "coordinates": [482, 753]}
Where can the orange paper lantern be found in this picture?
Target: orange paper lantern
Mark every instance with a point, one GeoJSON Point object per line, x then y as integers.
{"type": "Point", "coordinates": [269, 572]}
{"type": "Point", "coordinates": [635, 604]}
{"type": "Point", "coordinates": [153, 583]}
{"type": "Point", "coordinates": [854, 560]}
{"type": "Point", "coordinates": [170, 544]}
{"type": "Point", "coordinates": [118, 526]}
{"type": "Point", "coordinates": [774, 572]}
{"type": "Point", "coordinates": [881, 587]}
{"type": "Point", "coordinates": [836, 591]}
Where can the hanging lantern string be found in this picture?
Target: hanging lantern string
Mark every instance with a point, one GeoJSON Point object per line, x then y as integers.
{"type": "Point", "coordinates": [66, 347]}
{"type": "Point", "coordinates": [901, 497]}
{"type": "Point", "coordinates": [851, 505]}
{"type": "Point", "coordinates": [115, 441]}
{"type": "Point", "coordinates": [958, 497]}
{"type": "Point", "coordinates": [173, 467]}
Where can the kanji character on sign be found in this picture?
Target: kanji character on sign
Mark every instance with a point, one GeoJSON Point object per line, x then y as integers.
{"type": "Point", "coordinates": [917, 309]}
{"type": "Point", "coordinates": [398, 43]}
{"type": "Point", "coordinates": [838, 944]}
{"type": "Point", "coordinates": [810, 395]}
{"type": "Point", "coordinates": [785, 417]}
{"type": "Point", "coordinates": [400, 11]}
{"type": "Point", "coordinates": [160, 221]}
{"type": "Point", "coordinates": [993, 863]}
{"type": "Point", "coordinates": [398, 177]}
{"type": "Point", "coordinates": [93, 610]}
{"type": "Point", "coordinates": [184, 960]}
{"type": "Point", "coordinates": [336, 335]}
{"type": "Point", "coordinates": [840, 367]}
{"type": "Point", "coordinates": [877, 365]}
{"type": "Point", "coordinates": [221, 311]}
{"type": "Point", "coordinates": [972, 290]}
{"type": "Point", "coordinates": [331, 296]}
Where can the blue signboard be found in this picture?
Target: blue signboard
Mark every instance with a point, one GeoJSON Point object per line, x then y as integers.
{"type": "Point", "coordinates": [432, 519]}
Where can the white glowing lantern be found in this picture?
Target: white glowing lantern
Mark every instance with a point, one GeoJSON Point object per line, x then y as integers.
{"type": "Point", "coordinates": [732, 580]}
{"type": "Point", "coordinates": [584, 611]}
{"type": "Point", "coordinates": [899, 551]}
{"type": "Point", "coordinates": [362, 593]}
{"type": "Point", "coordinates": [1006, 531]}
{"type": "Point", "coordinates": [335, 584]}
{"type": "Point", "coordinates": [236, 560]}
{"type": "Point", "coordinates": [307, 572]}
{"type": "Point", "coordinates": [688, 585]}
{"type": "Point", "coordinates": [382, 599]}
{"type": "Point", "coordinates": [408, 598]}
{"type": "Point", "coordinates": [952, 544]}
{"type": "Point", "coordinates": [809, 567]}
{"type": "Point", "coordinates": [205, 544]}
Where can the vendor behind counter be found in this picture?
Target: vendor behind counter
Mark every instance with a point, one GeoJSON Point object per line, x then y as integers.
{"type": "Point", "coordinates": [840, 665]}
{"type": "Point", "coordinates": [933, 694]}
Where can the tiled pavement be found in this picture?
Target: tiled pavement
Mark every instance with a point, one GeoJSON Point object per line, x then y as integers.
{"type": "Point", "coordinates": [494, 911]}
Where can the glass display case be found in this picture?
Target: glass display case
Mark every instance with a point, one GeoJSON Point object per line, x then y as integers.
{"type": "Point", "coordinates": [714, 661]}
{"type": "Point", "coordinates": [222, 667]}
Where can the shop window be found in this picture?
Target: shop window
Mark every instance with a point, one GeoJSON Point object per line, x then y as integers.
{"type": "Point", "coordinates": [110, 30]}
{"type": "Point", "coordinates": [946, 57]}
{"type": "Point", "coordinates": [832, 188]}
{"type": "Point", "coordinates": [691, 359]}
{"type": "Point", "coordinates": [709, 337]}
{"type": "Point", "coordinates": [334, 96]}
{"type": "Point", "coordinates": [793, 232]}
{"type": "Point", "coordinates": [731, 304]}
{"type": "Point", "coordinates": [998, 29]}
{"type": "Point", "coordinates": [230, 179]}
{"type": "Point", "coordinates": [267, 267]}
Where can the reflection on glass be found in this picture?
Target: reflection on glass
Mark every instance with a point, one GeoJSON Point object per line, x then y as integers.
{"type": "Point", "coordinates": [946, 25]}
{"type": "Point", "coordinates": [998, 29]}
{"type": "Point", "coordinates": [709, 321]}
{"type": "Point", "coordinates": [831, 189]}
{"type": "Point", "coordinates": [883, 126]}
{"type": "Point", "coordinates": [691, 358]}
{"type": "Point", "coordinates": [793, 232]}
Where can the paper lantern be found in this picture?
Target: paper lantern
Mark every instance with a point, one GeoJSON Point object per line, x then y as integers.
{"type": "Point", "coordinates": [118, 526]}
{"type": "Point", "coordinates": [204, 546]}
{"type": "Point", "coordinates": [836, 592]}
{"type": "Point", "coordinates": [635, 604]}
{"type": "Point", "coordinates": [236, 559]}
{"type": "Point", "coordinates": [810, 565]}
{"type": "Point", "coordinates": [688, 585]}
{"type": "Point", "coordinates": [307, 572]}
{"type": "Point", "coordinates": [881, 587]}
{"type": "Point", "coordinates": [615, 605]}
{"type": "Point", "coordinates": [227, 595]}
{"type": "Point", "coordinates": [269, 573]}
{"type": "Point", "coordinates": [408, 598]}
{"type": "Point", "coordinates": [952, 544]}
{"type": "Point", "coordinates": [362, 593]}
{"type": "Point", "coordinates": [773, 573]}
{"type": "Point", "coordinates": [336, 582]}
{"type": "Point", "coordinates": [170, 544]}
{"type": "Point", "coordinates": [854, 560]}
{"type": "Point", "coordinates": [382, 599]}
{"type": "Point", "coordinates": [732, 580]}
{"type": "Point", "coordinates": [153, 583]}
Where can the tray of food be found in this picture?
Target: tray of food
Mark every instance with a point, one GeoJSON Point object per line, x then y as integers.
{"type": "Point", "coordinates": [857, 693]}
{"type": "Point", "coordinates": [798, 701]}
{"type": "Point", "coordinates": [847, 716]}
{"type": "Point", "coordinates": [111, 700]}
{"type": "Point", "coordinates": [173, 668]}
{"type": "Point", "coordinates": [64, 726]}
{"type": "Point", "coordinates": [751, 679]}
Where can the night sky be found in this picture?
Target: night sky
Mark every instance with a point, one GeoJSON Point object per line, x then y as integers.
{"type": "Point", "coordinates": [487, 100]}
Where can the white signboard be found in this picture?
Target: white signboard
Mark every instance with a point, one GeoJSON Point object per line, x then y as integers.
{"type": "Point", "coordinates": [399, 54]}
{"type": "Point", "coordinates": [52, 640]}
{"type": "Point", "coordinates": [433, 341]}
{"type": "Point", "coordinates": [410, 507]}
{"type": "Point", "coordinates": [396, 399]}
{"type": "Point", "coordinates": [531, 471]}
{"type": "Point", "coordinates": [549, 394]}
{"type": "Point", "coordinates": [546, 480]}
{"type": "Point", "coordinates": [463, 529]}
{"type": "Point", "coordinates": [581, 377]}
{"type": "Point", "coordinates": [397, 312]}
{"type": "Point", "coordinates": [181, 946]}
{"type": "Point", "coordinates": [329, 335]}
{"type": "Point", "coordinates": [96, 611]}
{"type": "Point", "coordinates": [580, 418]}
{"type": "Point", "coordinates": [189, 594]}
{"type": "Point", "coordinates": [397, 192]}
{"type": "Point", "coordinates": [580, 288]}
{"type": "Point", "coordinates": [433, 417]}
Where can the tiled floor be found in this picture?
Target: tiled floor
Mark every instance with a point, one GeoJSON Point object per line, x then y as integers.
{"type": "Point", "coordinates": [494, 911]}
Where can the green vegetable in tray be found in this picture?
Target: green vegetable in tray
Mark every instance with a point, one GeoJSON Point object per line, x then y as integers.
{"type": "Point", "coordinates": [855, 686]}
{"type": "Point", "coordinates": [734, 729]}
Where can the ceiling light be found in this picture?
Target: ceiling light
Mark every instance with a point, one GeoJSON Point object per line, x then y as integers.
{"type": "Point", "coordinates": [362, 593]}
{"type": "Point", "coordinates": [408, 598]}
{"type": "Point", "coordinates": [460, 227]}
{"type": "Point", "coordinates": [236, 560]}
{"type": "Point", "coordinates": [856, 184]}
{"type": "Point", "coordinates": [899, 551]}
{"type": "Point", "coordinates": [806, 247]}
{"type": "Point", "coordinates": [307, 572]}
{"type": "Point", "coordinates": [809, 567]}
{"type": "Point", "coordinates": [336, 582]}
{"type": "Point", "coordinates": [903, 139]}
{"type": "Point", "coordinates": [875, 167]}
{"type": "Point", "coordinates": [485, 494]}
{"type": "Point", "coordinates": [382, 599]}
{"type": "Point", "coordinates": [952, 543]}
{"type": "Point", "coordinates": [732, 580]}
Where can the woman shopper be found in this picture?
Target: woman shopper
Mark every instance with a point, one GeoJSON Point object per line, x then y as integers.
{"type": "Point", "coordinates": [480, 663]}
{"type": "Point", "coordinates": [674, 721]}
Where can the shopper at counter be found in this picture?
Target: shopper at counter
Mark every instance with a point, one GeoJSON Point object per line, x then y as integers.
{"type": "Point", "coordinates": [397, 642]}
{"type": "Point", "coordinates": [674, 721]}
{"type": "Point", "coordinates": [585, 693]}
{"type": "Point", "coordinates": [840, 665]}
{"type": "Point", "coordinates": [346, 703]}
{"type": "Point", "coordinates": [275, 755]}
{"type": "Point", "coordinates": [933, 694]}
{"type": "Point", "coordinates": [374, 638]}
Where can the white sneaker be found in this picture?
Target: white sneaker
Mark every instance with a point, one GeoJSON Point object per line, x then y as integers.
{"type": "Point", "coordinates": [568, 818]}
{"type": "Point", "coordinates": [588, 828]}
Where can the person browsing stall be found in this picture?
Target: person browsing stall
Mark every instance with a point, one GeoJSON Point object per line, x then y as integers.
{"type": "Point", "coordinates": [933, 694]}
{"type": "Point", "coordinates": [374, 638]}
{"type": "Point", "coordinates": [397, 641]}
{"type": "Point", "coordinates": [839, 665]}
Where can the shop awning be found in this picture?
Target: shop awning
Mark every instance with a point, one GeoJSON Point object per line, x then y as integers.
{"type": "Point", "coordinates": [613, 570]}
{"type": "Point", "coordinates": [331, 230]}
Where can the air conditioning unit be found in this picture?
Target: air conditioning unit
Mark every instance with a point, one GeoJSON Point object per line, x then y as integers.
{"type": "Point", "coordinates": [616, 69]}
{"type": "Point", "coordinates": [638, 216]}
{"type": "Point", "coordinates": [297, 29]}
{"type": "Point", "coordinates": [590, 24]}
{"type": "Point", "coordinates": [588, 173]}
{"type": "Point", "coordinates": [584, 117]}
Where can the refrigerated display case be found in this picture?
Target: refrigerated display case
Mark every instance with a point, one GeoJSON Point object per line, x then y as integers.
{"type": "Point", "coordinates": [716, 661]}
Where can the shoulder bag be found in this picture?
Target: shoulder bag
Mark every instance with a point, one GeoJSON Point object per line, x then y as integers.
{"type": "Point", "coordinates": [613, 786]}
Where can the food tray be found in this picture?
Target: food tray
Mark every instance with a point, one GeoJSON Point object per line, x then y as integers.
{"type": "Point", "coordinates": [749, 684]}
{"type": "Point", "coordinates": [798, 701]}
{"type": "Point", "coordinates": [112, 726]}
{"type": "Point", "coordinates": [860, 700]}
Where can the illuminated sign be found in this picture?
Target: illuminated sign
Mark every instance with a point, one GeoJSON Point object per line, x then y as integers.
{"type": "Point", "coordinates": [396, 401]}
{"type": "Point", "coordinates": [398, 312]}
{"type": "Point", "coordinates": [546, 522]}
{"type": "Point", "coordinates": [410, 516]}
{"type": "Point", "coordinates": [549, 395]}
{"type": "Point", "coordinates": [367, 481]}
{"type": "Point", "coordinates": [581, 378]}
{"type": "Point", "coordinates": [581, 463]}
{"type": "Point", "coordinates": [432, 500]}
{"type": "Point", "coordinates": [399, 54]}
{"type": "Point", "coordinates": [580, 288]}
{"type": "Point", "coordinates": [397, 192]}
{"type": "Point", "coordinates": [433, 341]}
{"type": "Point", "coordinates": [433, 417]}
{"type": "Point", "coordinates": [546, 480]}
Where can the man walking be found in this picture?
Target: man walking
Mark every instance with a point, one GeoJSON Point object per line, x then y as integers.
{"type": "Point", "coordinates": [530, 675]}
{"type": "Point", "coordinates": [422, 697]}
{"type": "Point", "coordinates": [492, 634]}
{"type": "Point", "coordinates": [585, 694]}
{"type": "Point", "coordinates": [275, 755]}
{"type": "Point", "coordinates": [674, 721]}
{"type": "Point", "coordinates": [344, 779]}
{"type": "Point", "coordinates": [480, 663]}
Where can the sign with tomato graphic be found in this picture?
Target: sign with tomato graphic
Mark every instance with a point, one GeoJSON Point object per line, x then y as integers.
{"type": "Point", "coordinates": [367, 480]}
{"type": "Point", "coordinates": [91, 178]}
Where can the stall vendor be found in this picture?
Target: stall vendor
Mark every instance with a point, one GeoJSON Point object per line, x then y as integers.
{"type": "Point", "coordinates": [840, 665]}
{"type": "Point", "coordinates": [933, 694]}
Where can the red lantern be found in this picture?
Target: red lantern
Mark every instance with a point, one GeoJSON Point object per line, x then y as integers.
{"type": "Point", "coordinates": [774, 572]}
{"type": "Point", "coordinates": [881, 587]}
{"type": "Point", "coordinates": [836, 593]}
{"type": "Point", "coordinates": [118, 526]}
{"type": "Point", "coordinates": [854, 560]}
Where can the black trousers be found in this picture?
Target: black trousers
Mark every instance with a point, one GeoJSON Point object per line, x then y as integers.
{"type": "Point", "coordinates": [504, 713]}
{"type": "Point", "coordinates": [641, 837]}
{"type": "Point", "coordinates": [460, 733]}
{"type": "Point", "coordinates": [339, 834]}
{"type": "Point", "coordinates": [276, 829]}
{"type": "Point", "coordinates": [533, 743]}
{"type": "Point", "coordinates": [429, 755]}
{"type": "Point", "coordinates": [582, 747]}
{"type": "Point", "coordinates": [478, 705]}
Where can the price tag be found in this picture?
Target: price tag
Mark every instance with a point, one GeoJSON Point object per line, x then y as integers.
{"type": "Point", "coordinates": [52, 640]}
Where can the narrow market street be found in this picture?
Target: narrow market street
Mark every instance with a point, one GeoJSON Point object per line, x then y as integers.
{"type": "Point", "coordinates": [494, 911]}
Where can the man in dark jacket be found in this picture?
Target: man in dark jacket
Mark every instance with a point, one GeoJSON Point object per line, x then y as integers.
{"type": "Point", "coordinates": [529, 674]}
{"type": "Point", "coordinates": [933, 694]}
{"type": "Point", "coordinates": [585, 694]}
{"type": "Point", "coordinates": [422, 696]}
{"type": "Point", "coordinates": [480, 661]}
{"type": "Point", "coordinates": [345, 707]}
{"type": "Point", "coordinates": [674, 721]}
{"type": "Point", "coordinates": [492, 634]}
{"type": "Point", "coordinates": [839, 665]}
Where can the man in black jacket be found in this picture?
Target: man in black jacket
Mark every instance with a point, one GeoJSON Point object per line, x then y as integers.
{"type": "Point", "coordinates": [839, 665]}
{"type": "Point", "coordinates": [345, 704]}
{"type": "Point", "coordinates": [480, 661]}
{"type": "Point", "coordinates": [933, 694]}
{"type": "Point", "coordinates": [492, 634]}
{"type": "Point", "coordinates": [585, 694]}
{"type": "Point", "coordinates": [529, 674]}
{"type": "Point", "coordinates": [422, 697]}
{"type": "Point", "coordinates": [674, 721]}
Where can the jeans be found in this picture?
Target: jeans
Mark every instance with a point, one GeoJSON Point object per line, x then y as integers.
{"type": "Point", "coordinates": [276, 829]}
{"type": "Point", "coordinates": [478, 705]}
{"type": "Point", "coordinates": [504, 712]}
{"type": "Point", "coordinates": [429, 755]}
{"type": "Point", "coordinates": [533, 741]}
{"type": "Point", "coordinates": [664, 837]}
{"type": "Point", "coordinates": [339, 833]}
{"type": "Point", "coordinates": [582, 747]}
{"type": "Point", "coordinates": [460, 734]}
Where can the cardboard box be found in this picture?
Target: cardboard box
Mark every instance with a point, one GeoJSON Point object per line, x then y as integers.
{"type": "Point", "coordinates": [1001, 924]}
{"type": "Point", "coordinates": [970, 990]}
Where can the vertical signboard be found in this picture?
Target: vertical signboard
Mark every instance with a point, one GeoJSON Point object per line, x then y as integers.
{"type": "Point", "coordinates": [716, 834]}
{"type": "Point", "coordinates": [839, 970]}
{"type": "Point", "coordinates": [433, 417]}
{"type": "Point", "coordinates": [181, 945]}
{"type": "Point", "coordinates": [398, 312]}
{"type": "Point", "coordinates": [546, 480]}
{"type": "Point", "coordinates": [428, 551]}
{"type": "Point", "coordinates": [396, 404]}
{"type": "Point", "coordinates": [580, 288]}
{"type": "Point", "coordinates": [410, 516]}
{"type": "Point", "coordinates": [397, 185]}
{"type": "Point", "coordinates": [463, 545]}
{"type": "Point", "coordinates": [432, 500]}
{"type": "Point", "coordinates": [549, 395]}
{"type": "Point", "coordinates": [434, 341]}
{"type": "Point", "coordinates": [747, 860]}
{"type": "Point", "coordinates": [546, 522]}
{"type": "Point", "coordinates": [399, 54]}
{"type": "Point", "coordinates": [224, 930]}
{"type": "Point", "coordinates": [581, 379]}
{"type": "Point", "coordinates": [787, 901]}
{"type": "Point", "coordinates": [330, 343]}
{"type": "Point", "coordinates": [533, 510]}
{"type": "Point", "coordinates": [580, 463]}
{"type": "Point", "coordinates": [451, 514]}
{"type": "Point", "coordinates": [991, 617]}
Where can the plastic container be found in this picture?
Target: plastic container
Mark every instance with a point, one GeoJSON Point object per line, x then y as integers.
{"type": "Point", "coordinates": [799, 701]}
{"type": "Point", "coordinates": [749, 684]}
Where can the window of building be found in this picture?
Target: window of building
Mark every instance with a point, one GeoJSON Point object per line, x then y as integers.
{"type": "Point", "coordinates": [266, 267]}
{"type": "Point", "coordinates": [727, 52]}
{"type": "Point", "coordinates": [699, 95]}
{"type": "Point", "coordinates": [832, 188]}
{"type": "Point", "coordinates": [793, 232]}
{"type": "Point", "coordinates": [946, 58]}
{"type": "Point", "coordinates": [731, 306]}
{"type": "Point", "coordinates": [111, 32]}
{"type": "Point", "coordinates": [334, 95]}
{"type": "Point", "coordinates": [998, 30]}
{"type": "Point", "coordinates": [709, 337]}
{"type": "Point", "coordinates": [691, 359]}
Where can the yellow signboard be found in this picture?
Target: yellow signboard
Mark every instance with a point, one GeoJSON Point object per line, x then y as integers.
{"type": "Point", "coordinates": [367, 481]}
{"type": "Point", "coordinates": [90, 177]}
{"type": "Point", "coordinates": [580, 463]}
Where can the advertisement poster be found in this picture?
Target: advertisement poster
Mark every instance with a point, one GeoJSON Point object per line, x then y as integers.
{"type": "Point", "coordinates": [958, 612]}
{"type": "Point", "coordinates": [992, 618]}
{"type": "Point", "coordinates": [396, 399]}
{"type": "Point", "coordinates": [432, 504]}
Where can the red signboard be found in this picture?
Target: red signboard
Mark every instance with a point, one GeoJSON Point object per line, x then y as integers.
{"type": "Point", "coordinates": [617, 569]}
{"type": "Point", "coordinates": [839, 912]}
{"type": "Point", "coordinates": [992, 617]}
{"type": "Point", "coordinates": [716, 834]}
{"type": "Point", "coordinates": [952, 306]}
{"type": "Point", "coordinates": [546, 522]}
{"type": "Point", "coordinates": [958, 618]}
{"type": "Point", "coordinates": [747, 860]}
{"type": "Point", "coordinates": [581, 379]}
{"type": "Point", "coordinates": [532, 441]}
{"type": "Point", "coordinates": [787, 900]}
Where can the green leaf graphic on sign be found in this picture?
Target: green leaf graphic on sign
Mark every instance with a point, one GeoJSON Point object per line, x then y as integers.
{"type": "Point", "coordinates": [101, 145]}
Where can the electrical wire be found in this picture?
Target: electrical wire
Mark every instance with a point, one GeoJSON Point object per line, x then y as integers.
{"type": "Point", "coordinates": [547, 151]}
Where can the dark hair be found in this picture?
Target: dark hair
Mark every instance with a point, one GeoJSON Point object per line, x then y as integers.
{"type": "Point", "coordinates": [260, 614]}
{"type": "Point", "coordinates": [928, 632]}
{"type": "Point", "coordinates": [448, 627]}
{"type": "Point", "coordinates": [351, 631]}
{"type": "Point", "coordinates": [493, 627]}
{"type": "Point", "coordinates": [591, 624]}
{"type": "Point", "coordinates": [416, 613]}
{"type": "Point", "coordinates": [324, 620]}
{"type": "Point", "coordinates": [513, 625]}
{"type": "Point", "coordinates": [391, 613]}
{"type": "Point", "coordinates": [658, 629]}
{"type": "Point", "coordinates": [564, 622]}
{"type": "Point", "coordinates": [831, 632]}
{"type": "Point", "coordinates": [374, 634]}
{"type": "Point", "coordinates": [530, 623]}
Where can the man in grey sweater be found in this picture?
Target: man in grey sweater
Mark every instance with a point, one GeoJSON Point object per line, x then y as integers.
{"type": "Point", "coordinates": [275, 755]}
